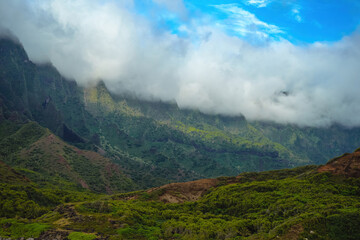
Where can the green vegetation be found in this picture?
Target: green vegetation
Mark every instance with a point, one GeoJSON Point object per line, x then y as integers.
{"type": "Point", "coordinates": [47, 160]}
{"type": "Point", "coordinates": [288, 204]}
{"type": "Point", "coordinates": [154, 143]}
{"type": "Point", "coordinates": [29, 201]}
{"type": "Point", "coordinates": [16, 229]}
{"type": "Point", "coordinates": [62, 147]}
{"type": "Point", "coordinates": [81, 236]}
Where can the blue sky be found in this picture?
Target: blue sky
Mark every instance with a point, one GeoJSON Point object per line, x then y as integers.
{"type": "Point", "coordinates": [298, 21]}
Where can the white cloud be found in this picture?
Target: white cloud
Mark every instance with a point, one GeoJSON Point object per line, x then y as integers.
{"type": "Point", "coordinates": [217, 73]}
{"type": "Point", "coordinates": [259, 3]}
{"type": "Point", "coordinates": [245, 23]}
{"type": "Point", "coordinates": [296, 14]}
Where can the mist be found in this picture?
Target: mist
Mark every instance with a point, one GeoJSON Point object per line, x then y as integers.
{"type": "Point", "coordinates": [207, 69]}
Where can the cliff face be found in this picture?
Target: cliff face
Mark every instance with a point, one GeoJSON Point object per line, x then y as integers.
{"type": "Point", "coordinates": [347, 165]}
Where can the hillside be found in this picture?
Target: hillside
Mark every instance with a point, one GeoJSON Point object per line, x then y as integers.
{"type": "Point", "coordinates": [47, 160]}
{"type": "Point", "coordinates": [9, 175]}
{"type": "Point", "coordinates": [155, 143]}
{"type": "Point", "coordinates": [306, 202]}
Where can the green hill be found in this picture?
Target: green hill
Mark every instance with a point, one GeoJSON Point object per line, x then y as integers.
{"type": "Point", "coordinates": [307, 202]}
{"type": "Point", "coordinates": [47, 160]}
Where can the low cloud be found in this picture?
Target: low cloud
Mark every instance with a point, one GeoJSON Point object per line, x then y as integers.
{"type": "Point", "coordinates": [313, 85]}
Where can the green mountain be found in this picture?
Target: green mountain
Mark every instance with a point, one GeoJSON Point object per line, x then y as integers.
{"type": "Point", "coordinates": [45, 159]}
{"type": "Point", "coordinates": [309, 202]}
{"type": "Point", "coordinates": [154, 142]}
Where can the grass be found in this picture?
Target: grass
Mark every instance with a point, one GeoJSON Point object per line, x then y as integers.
{"type": "Point", "coordinates": [81, 236]}
{"type": "Point", "coordinates": [15, 229]}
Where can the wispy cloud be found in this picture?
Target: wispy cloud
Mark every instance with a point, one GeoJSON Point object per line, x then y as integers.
{"type": "Point", "coordinates": [245, 23]}
{"type": "Point", "coordinates": [258, 3]}
{"type": "Point", "coordinates": [295, 12]}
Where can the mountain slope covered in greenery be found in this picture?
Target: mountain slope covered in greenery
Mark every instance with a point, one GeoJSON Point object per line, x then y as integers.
{"type": "Point", "coordinates": [154, 142]}
{"type": "Point", "coordinates": [47, 160]}
{"type": "Point", "coordinates": [72, 157]}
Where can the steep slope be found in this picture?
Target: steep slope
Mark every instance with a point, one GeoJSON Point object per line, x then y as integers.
{"type": "Point", "coordinates": [155, 143]}
{"type": "Point", "coordinates": [304, 144]}
{"type": "Point", "coordinates": [38, 93]}
{"type": "Point", "coordinates": [210, 152]}
{"type": "Point", "coordinates": [317, 144]}
{"type": "Point", "coordinates": [159, 153]}
{"type": "Point", "coordinates": [47, 160]}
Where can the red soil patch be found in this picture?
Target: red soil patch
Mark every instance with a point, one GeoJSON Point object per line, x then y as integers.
{"type": "Point", "coordinates": [83, 184]}
{"type": "Point", "coordinates": [347, 165]}
{"type": "Point", "coordinates": [63, 162]}
{"type": "Point", "coordinates": [183, 192]}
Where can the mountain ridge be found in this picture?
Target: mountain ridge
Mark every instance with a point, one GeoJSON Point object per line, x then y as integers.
{"type": "Point", "coordinates": [162, 142]}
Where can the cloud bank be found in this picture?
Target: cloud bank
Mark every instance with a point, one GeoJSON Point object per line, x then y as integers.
{"type": "Point", "coordinates": [312, 85]}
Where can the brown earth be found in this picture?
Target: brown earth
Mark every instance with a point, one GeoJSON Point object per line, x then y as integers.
{"type": "Point", "coordinates": [184, 192]}
{"type": "Point", "coordinates": [347, 165]}
{"type": "Point", "coordinates": [53, 155]}
{"type": "Point", "coordinates": [54, 235]}
{"type": "Point", "coordinates": [293, 233]}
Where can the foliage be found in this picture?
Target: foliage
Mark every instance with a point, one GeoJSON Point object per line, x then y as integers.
{"type": "Point", "coordinates": [154, 142]}
{"type": "Point", "coordinates": [17, 229]}
{"type": "Point", "coordinates": [29, 201]}
{"type": "Point", "coordinates": [47, 160]}
{"type": "Point", "coordinates": [293, 204]}
{"type": "Point", "coordinates": [81, 236]}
